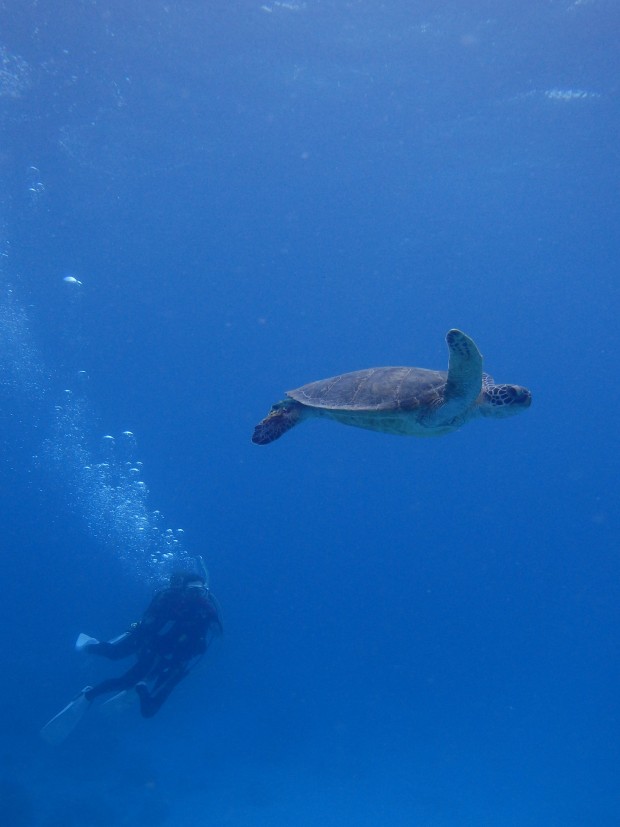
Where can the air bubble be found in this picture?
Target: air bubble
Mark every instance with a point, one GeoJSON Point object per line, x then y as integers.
{"type": "Point", "coordinates": [103, 485]}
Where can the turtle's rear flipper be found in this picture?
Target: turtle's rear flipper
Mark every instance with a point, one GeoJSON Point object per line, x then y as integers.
{"type": "Point", "coordinates": [281, 418]}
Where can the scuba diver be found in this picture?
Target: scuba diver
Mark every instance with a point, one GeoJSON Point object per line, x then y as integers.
{"type": "Point", "coordinates": [172, 635]}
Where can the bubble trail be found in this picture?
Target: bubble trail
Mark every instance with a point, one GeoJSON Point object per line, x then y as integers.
{"type": "Point", "coordinates": [101, 479]}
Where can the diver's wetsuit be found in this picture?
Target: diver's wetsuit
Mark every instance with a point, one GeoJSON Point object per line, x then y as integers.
{"type": "Point", "coordinates": [172, 633]}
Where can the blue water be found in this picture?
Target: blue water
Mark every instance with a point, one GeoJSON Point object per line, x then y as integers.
{"type": "Point", "coordinates": [205, 204]}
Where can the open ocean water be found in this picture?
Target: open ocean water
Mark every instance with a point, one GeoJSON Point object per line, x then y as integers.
{"type": "Point", "coordinates": [204, 204]}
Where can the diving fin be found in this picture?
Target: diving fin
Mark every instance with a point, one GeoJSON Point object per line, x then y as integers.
{"type": "Point", "coordinates": [83, 641]}
{"type": "Point", "coordinates": [120, 702]}
{"type": "Point", "coordinates": [62, 724]}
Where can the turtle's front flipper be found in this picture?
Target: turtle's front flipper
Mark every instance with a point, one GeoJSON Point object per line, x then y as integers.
{"type": "Point", "coordinates": [281, 418]}
{"type": "Point", "coordinates": [464, 370]}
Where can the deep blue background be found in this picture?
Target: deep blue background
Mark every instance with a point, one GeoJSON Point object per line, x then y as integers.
{"type": "Point", "coordinates": [255, 196]}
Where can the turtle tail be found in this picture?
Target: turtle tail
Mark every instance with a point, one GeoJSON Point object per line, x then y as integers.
{"type": "Point", "coordinates": [280, 419]}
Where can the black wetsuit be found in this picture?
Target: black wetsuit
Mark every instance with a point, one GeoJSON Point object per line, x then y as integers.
{"type": "Point", "coordinates": [173, 632]}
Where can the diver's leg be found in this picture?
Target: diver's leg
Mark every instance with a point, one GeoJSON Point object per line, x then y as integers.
{"type": "Point", "coordinates": [117, 649]}
{"type": "Point", "coordinates": [126, 681]}
{"type": "Point", "coordinates": [168, 678]}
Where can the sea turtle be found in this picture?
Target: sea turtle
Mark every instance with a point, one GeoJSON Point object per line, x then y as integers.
{"type": "Point", "coordinates": [401, 400]}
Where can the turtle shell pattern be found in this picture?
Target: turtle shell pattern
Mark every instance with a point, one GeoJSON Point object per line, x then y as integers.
{"type": "Point", "coordinates": [376, 389]}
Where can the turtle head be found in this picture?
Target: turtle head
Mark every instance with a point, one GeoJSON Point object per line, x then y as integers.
{"type": "Point", "coordinates": [504, 400]}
